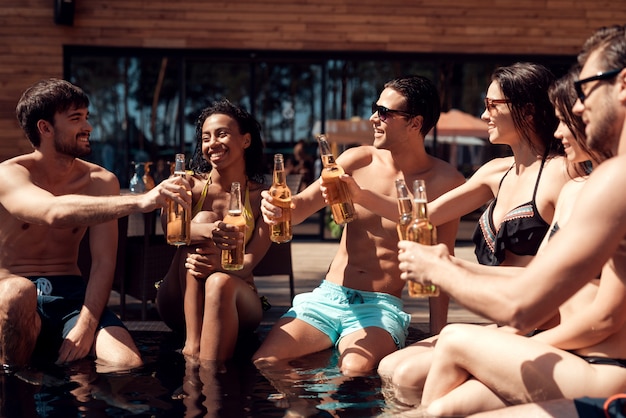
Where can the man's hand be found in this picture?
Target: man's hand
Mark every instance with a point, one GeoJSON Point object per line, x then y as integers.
{"type": "Point", "coordinates": [353, 188]}
{"type": "Point", "coordinates": [77, 344]}
{"type": "Point", "coordinates": [175, 188]}
{"type": "Point", "coordinates": [417, 261]}
{"type": "Point", "coordinates": [270, 211]}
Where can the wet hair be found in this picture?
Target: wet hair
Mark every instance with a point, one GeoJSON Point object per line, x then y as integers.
{"type": "Point", "coordinates": [612, 41]}
{"type": "Point", "coordinates": [43, 100]}
{"type": "Point", "coordinates": [526, 86]}
{"type": "Point", "coordinates": [421, 97]}
{"type": "Point", "coordinates": [563, 97]}
{"type": "Point", "coordinates": [253, 155]}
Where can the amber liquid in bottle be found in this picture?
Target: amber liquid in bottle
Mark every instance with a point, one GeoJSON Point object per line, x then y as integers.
{"type": "Point", "coordinates": [423, 232]}
{"type": "Point", "coordinates": [178, 218]}
{"type": "Point", "coordinates": [338, 194]}
{"type": "Point", "coordinates": [232, 259]}
{"type": "Point", "coordinates": [405, 209]}
{"type": "Point", "coordinates": [281, 231]}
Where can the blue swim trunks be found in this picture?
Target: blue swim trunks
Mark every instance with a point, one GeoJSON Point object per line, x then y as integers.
{"type": "Point", "coordinates": [338, 311]}
{"type": "Point", "coordinates": [59, 301]}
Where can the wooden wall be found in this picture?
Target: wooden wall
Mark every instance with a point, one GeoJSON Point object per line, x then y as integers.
{"type": "Point", "coordinates": [31, 44]}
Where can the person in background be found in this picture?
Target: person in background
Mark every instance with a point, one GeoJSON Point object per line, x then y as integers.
{"type": "Point", "coordinates": [197, 297]}
{"type": "Point", "coordinates": [358, 307]}
{"type": "Point", "coordinates": [48, 199]}
{"type": "Point", "coordinates": [582, 357]}
{"type": "Point", "coordinates": [301, 163]}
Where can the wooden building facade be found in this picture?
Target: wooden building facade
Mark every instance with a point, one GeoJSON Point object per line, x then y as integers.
{"type": "Point", "coordinates": [32, 44]}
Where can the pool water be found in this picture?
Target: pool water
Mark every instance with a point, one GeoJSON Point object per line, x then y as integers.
{"type": "Point", "coordinates": [167, 386]}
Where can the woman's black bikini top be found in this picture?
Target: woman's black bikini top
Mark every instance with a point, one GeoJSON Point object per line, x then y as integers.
{"type": "Point", "coordinates": [521, 231]}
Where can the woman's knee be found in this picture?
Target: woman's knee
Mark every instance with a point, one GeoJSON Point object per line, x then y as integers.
{"type": "Point", "coordinates": [219, 285]}
{"type": "Point", "coordinates": [456, 336]}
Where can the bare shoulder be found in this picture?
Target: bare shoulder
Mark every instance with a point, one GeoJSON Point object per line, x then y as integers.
{"type": "Point", "coordinates": [357, 157]}
{"type": "Point", "coordinates": [556, 169]}
{"type": "Point", "coordinates": [442, 178]}
{"type": "Point", "coordinates": [496, 166]}
{"type": "Point", "coordinates": [102, 181]}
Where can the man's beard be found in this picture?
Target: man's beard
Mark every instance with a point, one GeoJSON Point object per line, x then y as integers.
{"type": "Point", "coordinates": [71, 150]}
{"type": "Point", "coordinates": [602, 138]}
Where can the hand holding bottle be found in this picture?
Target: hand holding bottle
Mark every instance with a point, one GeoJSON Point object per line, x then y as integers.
{"type": "Point", "coordinates": [272, 213]}
{"type": "Point", "coordinates": [178, 216]}
{"type": "Point", "coordinates": [233, 250]}
{"type": "Point", "coordinates": [339, 197]}
{"type": "Point", "coordinates": [280, 230]}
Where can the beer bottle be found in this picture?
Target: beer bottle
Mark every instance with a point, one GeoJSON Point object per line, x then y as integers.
{"type": "Point", "coordinates": [178, 218]}
{"type": "Point", "coordinates": [232, 259]}
{"type": "Point", "coordinates": [281, 231]}
{"type": "Point", "coordinates": [405, 208]}
{"type": "Point", "coordinates": [338, 194]}
{"type": "Point", "coordinates": [423, 232]}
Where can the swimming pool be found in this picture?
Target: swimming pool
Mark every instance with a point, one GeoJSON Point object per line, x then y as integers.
{"type": "Point", "coordinates": [168, 386]}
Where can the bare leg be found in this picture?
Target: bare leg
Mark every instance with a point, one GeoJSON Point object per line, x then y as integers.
{"type": "Point", "coordinates": [194, 310]}
{"type": "Point", "coordinates": [290, 338]}
{"type": "Point", "coordinates": [230, 305]}
{"type": "Point", "coordinates": [514, 368]}
{"type": "Point", "coordinates": [362, 350]}
{"type": "Point", "coordinates": [115, 350]}
{"type": "Point", "coordinates": [388, 365]}
{"type": "Point", "coordinates": [19, 321]}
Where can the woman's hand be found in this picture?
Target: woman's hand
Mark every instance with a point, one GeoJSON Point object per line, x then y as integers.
{"type": "Point", "coordinates": [226, 237]}
{"type": "Point", "coordinates": [204, 261]}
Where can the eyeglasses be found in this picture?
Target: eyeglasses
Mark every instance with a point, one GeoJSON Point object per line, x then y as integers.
{"type": "Point", "coordinates": [384, 112]}
{"type": "Point", "coordinates": [490, 103]}
{"type": "Point", "coordinates": [578, 85]}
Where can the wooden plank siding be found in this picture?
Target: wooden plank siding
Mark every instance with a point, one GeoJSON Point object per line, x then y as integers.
{"type": "Point", "coordinates": [31, 45]}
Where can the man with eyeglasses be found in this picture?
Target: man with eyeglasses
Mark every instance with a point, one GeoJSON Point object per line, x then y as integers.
{"type": "Point", "coordinates": [358, 307]}
{"type": "Point", "coordinates": [594, 239]}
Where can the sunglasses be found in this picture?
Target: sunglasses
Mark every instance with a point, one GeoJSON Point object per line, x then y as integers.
{"type": "Point", "coordinates": [490, 103]}
{"type": "Point", "coordinates": [578, 85]}
{"type": "Point", "coordinates": [384, 112]}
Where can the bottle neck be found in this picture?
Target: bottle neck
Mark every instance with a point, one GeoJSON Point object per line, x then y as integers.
{"type": "Point", "coordinates": [279, 172]}
{"type": "Point", "coordinates": [328, 160]}
{"type": "Point", "coordinates": [420, 209]}
{"type": "Point", "coordinates": [280, 177]}
{"type": "Point", "coordinates": [235, 201]}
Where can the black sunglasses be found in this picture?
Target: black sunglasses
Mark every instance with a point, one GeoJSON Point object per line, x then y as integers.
{"type": "Point", "coordinates": [383, 112]}
{"type": "Point", "coordinates": [578, 85]}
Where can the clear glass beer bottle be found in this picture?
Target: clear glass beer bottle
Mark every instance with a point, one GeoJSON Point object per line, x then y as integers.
{"type": "Point", "coordinates": [281, 231]}
{"type": "Point", "coordinates": [405, 208]}
{"type": "Point", "coordinates": [422, 231]}
{"type": "Point", "coordinates": [338, 194]}
{"type": "Point", "coordinates": [232, 259]}
{"type": "Point", "coordinates": [178, 230]}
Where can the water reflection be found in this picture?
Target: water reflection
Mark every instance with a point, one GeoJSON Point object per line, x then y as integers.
{"type": "Point", "coordinates": [169, 386]}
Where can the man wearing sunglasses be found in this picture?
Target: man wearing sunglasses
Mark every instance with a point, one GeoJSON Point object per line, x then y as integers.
{"type": "Point", "coordinates": [358, 307]}
{"type": "Point", "coordinates": [594, 239]}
